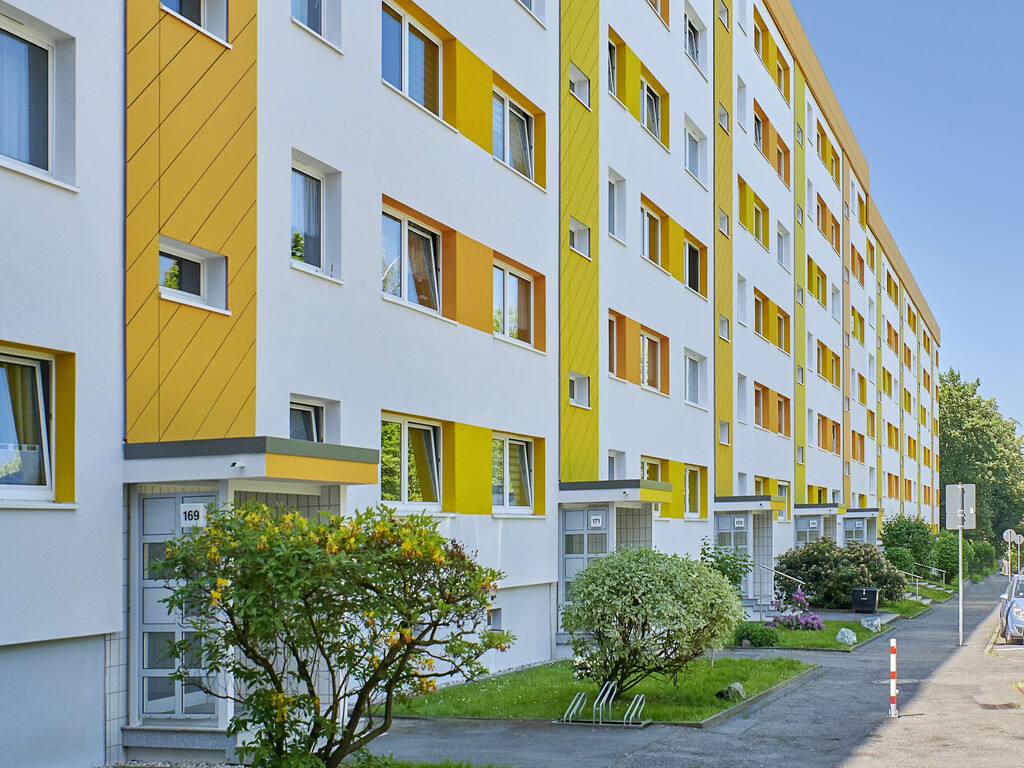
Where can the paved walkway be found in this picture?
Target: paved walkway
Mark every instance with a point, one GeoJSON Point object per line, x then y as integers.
{"type": "Point", "coordinates": [834, 718]}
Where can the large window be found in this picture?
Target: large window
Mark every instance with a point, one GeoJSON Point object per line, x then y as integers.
{"type": "Point", "coordinates": [411, 264]}
{"type": "Point", "coordinates": [24, 100]}
{"type": "Point", "coordinates": [512, 137]}
{"type": "Point", "coordinates": [511, 473]}
{"type": "Point", "coordinates": [409, 462]}
{"type": "Point", "coordinates": [513, 304]}
{"type": "Point", "coordinates": [310, 13]}
{"type": "Point", "coordinates": [410, 59]}
{"type": "Point", "coordinates": [307, 218]}
{"type": "Point", "coordinates": [24, 426]}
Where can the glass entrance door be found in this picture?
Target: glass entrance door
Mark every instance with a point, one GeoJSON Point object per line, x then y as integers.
{"type": "Point", "coordinates": [161, 697]}
{"type": "Point", "coordinates": [585, 534]}
{"type": "Point", "coordinates": [731, 533]}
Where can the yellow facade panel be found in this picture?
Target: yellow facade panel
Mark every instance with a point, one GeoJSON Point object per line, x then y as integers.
{"type": "Point", "coordinates": [280, 466]}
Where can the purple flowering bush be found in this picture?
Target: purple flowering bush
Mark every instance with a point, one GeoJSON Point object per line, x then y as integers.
{"type": "Point", "coordinates": [795, 613]}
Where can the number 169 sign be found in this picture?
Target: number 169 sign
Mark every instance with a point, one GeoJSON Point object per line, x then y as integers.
{"type": "Point", "coordinates": [193, 514]}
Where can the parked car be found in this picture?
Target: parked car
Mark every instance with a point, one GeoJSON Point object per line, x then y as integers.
{"type": "Point", "coordinates": [1011, 609]}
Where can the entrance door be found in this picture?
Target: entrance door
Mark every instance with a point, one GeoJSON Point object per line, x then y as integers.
{"type": "Point", "coordinates": [731, 533]}
{"type": "Point", "coordinates": [585, 533]}
{"type": "Point", "coordinates": [160, 697]}
{"type": "Point", "coordinates": [855, 530]}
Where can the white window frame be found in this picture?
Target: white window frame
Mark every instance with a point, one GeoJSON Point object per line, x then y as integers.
{"type": "Point", "coordinates": [698, 139]}
{"type": "Point", "coordinates": [693, 43]}
{"type": "Point", "coordinates": [206, 10]}
{"type": "Point", "coordinates": [646, 214]}
{"type": "Point", "coordinates": [579, 85]}
{"type": "Point", "coordinates": [579, 389]}
{"type": "Point", "coordinates": [579, 237]}
{"type": "Point", "coordinates": [688, 248]}
{"type": "Point", "coordinates": [507, 441]}
{"type": "Point", "coordinates": [758, 133]}
{"type": "Point", "coordinates": [403, 448]}
{"type": "Point", "coordinates": [698, 363]}
{"type": "Point", "coordinates": [503, 333]}
{"type": "Point", "coordinates": [403, 295]}
{"type": "Point", "coordinates": [741, 398]}
{"type": "Point", "coordinates": [647, 92]}
{"type": "Point", "coordinates": [47, 418]}
{"type": "Point", "coordinates": [613, 69]}
{"type": "Point", "coordinates": [689, 472]}
{"type": "Point", "coordinates": [510, 105]}
{"type": "Point", "coordinates": [26, 34]}
{"type": "Point", "coordinates": [318, 175]}
{"type": "Point", "coordinates": [212, 276]}
{"type": "Point", "coordinates": [613, 328]}
{"type": "Point", "coordinates": [407, 21]}
{"type": "Point", "coordinates": [316, 410]}
{"type": "Point", "coordinates": [645, 362]}
{"type": "Point", "coordinates": [616, 206]}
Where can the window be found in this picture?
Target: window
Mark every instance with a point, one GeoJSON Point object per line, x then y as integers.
{"type": "Point", "coordinates": [25, 418]}
{"type": "Point", "coordinates": [307, 207]}
{"type": "Point", "coordinates": [612, 69]}
{"type": "Point", "coordinates": [694, 41]}
{"type": "Point", "coordinates": [650, 361]}
{"type": "Point", "coordinates": [24, 100]}
{"type": "Point", "coordinates": [650, 112]}
{"type": "Point", "coordinates": [695, 367]}
{"type": "Point", "coordinates": [723, 222]}
{"type": "Point", "coordinates": [696, 151]}
{"type": "Point", "coordinates": [741, 299]}
{"type": "Point", "coordinates": [579, 237]}
{"type": "Point", "coordinates": [211, 15]}
{"type": "Point", "coordinates": [741, 398]}
{"type": "Point", "coordinates": [612, 346]}
{"type": "Point", "coordinates": [723, 12]}
{"type": "Point", "coordinates": [757, 229]}
{"type": "Point", "coordinates": [616, 205]}
{"type": "Point", "coordinates": [650, 235]}
{"type": "Point", "coordinates": [192, 275]}
{"type": "Point", "coordinates": [307, 422]}
{"type": "Point", "coordinates": [782, 247]}
{"type": "Point", "coordinates": [579, 84]}
{"type": "Point", "coordinates": [411, 59]}
{"type": "Point", "coordinates": [723, 118]}
{"type": "Point", "coordinates": [309, 13]}
{"type": "Point", "coordinates": [758, 133]}
{"type": "Point", "coordinates": [723, 327]}
{"type": "Point", "coordinates": [650, 469]}
{"type": "Point", "coordinates": [494, 614]}
{"type": "Point", "coordinates": [511, 473]}
{"type": "Point", "coordinates": [759, 398]}
{"type": "Point", "coordinates": [782, 415]}
{"type": "Point", "coordinates": [512, 140]}
{"type": "Point", "coordinates": [409, 462]}
{"type": "Point", "coordinates": [741, 103]}
{"type": "Point", "coordinates": [513, 304]}
{"type": "Point", "coordinates": [411, 264]}
{"type": "Point", "coordinates": [691, 500]}
{"type": "Point", "coordinates": [758, 315]}
{"type": "Point", "coordinates": [723, 432]}
{"type": "Point", "coordinates": [579, 389]}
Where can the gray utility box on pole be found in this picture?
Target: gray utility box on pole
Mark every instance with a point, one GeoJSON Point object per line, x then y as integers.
{"type": "Point", "coordinates": [961, 498]}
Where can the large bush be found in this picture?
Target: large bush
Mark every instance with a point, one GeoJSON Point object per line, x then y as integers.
{"type": "Point", "coordinates": [640, 613]}
{"type": "Point", "coordinates": [317, 620]}
{"type": "Point", "coordinates": [831, 572]}
{"type": "Point", "coordinates": [729, 562]}
{"type": "Point", "coordinates": [901, 558]}
{"type": "Point", "coordinates": [759, 635]}
{"type": "Point", "coordinates": [913, 533]}
{"type": "Point", "coordinates": [984, 559]}
{"type": "Point", "coordinates": [944, 555]}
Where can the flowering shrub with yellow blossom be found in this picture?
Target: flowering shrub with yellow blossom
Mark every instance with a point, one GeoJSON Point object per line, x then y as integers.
{"type": "Point", "coordinates": [320, 623]}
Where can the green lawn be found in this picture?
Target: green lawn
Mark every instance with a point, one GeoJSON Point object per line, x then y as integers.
{"type": "Point", "coordinates": [826, 638]}
{"type": "Point", "coordinates": [545, 691]}
{"type": "Point", "coordinates": [905, 608]}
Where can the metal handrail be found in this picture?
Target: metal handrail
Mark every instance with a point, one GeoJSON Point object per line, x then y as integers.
{"type": "Point", "coordinates": [917, 582]}
{"type": "Point", "coordinates": [933, 569]}
{"type": "Point", "coordinates": [784, 575]}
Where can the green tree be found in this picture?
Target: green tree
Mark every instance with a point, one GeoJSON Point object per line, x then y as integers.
{"type": "Point", "coordinates": [978, 445]}
{"type": "Point", "coordinates": [317, 620]}
{"type": "Point", "coordinates": [640, 613]}
{"type": "Point", "coordinates": [901, 558]}
{"type": "Point", "coordinates": [911, 533]}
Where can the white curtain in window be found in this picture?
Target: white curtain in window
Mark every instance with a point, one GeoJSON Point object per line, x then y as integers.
{"type": "Point", "coordinates": [424, 69]}
{"type": "Point", "coordinates": [14, 97]}
{"type": "Point", "coordinates": [391, 256]}
{"type": "Point", "coordinates": [306, 218]}
{"type": "Point", "coordinates": [498, 127]}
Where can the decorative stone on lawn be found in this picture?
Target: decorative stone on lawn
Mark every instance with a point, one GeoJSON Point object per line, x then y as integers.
{"type": "Point", "coordinates": [846, 636]}
{"type": "Point", "coordinates": [732, 692]}
{"type": "Point", "coordinates": [874, 623]}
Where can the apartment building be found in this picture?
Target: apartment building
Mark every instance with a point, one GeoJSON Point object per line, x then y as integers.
{"type": "Point", "coordinates": [632, 290]}
{"type": "Point", "coordinates": [61, 377]}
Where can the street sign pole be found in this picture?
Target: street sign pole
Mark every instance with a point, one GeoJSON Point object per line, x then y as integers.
{"type": "Point", "coordinates": [960, 569]}
{"type": "Point", "coordinates": [960, 514]}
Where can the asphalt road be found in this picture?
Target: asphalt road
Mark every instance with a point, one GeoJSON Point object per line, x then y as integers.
{"type": "Point", "coordinates": [952, 702]}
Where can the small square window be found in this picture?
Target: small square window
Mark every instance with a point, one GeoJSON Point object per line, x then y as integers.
{"type": "Point", "coordinates": [723, 222]}
{"type": "Point", "coordinates": [211, 15]}
{"type": "Point", "coordinates": [192, 275]}
{"type": "Point", "coordinates": [579, 389]}
{"type": "Point", "coordinates": [579, 237]}
{"type": "Point", "coordinates": [696, 373]}
{"type": "Point", "coordinates": [616, 205]}
{"type": "Point", "coordinates": [723, 327]}
{"type": "Point", "coordinates": [579, 84]}
{"type": "Point", "coordinates": [307, 422]}
{"type": "Point", "coordinates": [723, 12]}
{"type": "Point", "coordinates": [723, 118]}
{"type": "Point", "coordinates": [800, 215]}
{"type": "Point", "coordinates": [494, 614]}
{"type": "Point", "coordinates": [723, 432]}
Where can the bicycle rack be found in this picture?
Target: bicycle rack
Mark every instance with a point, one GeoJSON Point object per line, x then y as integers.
{"type": "Point", "coordinates": [575, 706]}
{"type": "Point", "coordinates": [604, 699]}
{"type": "Point", "coordinates": [635, 710]}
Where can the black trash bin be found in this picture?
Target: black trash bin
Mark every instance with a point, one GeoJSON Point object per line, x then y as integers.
{"type": "Point", "coordinates": [865, 599]}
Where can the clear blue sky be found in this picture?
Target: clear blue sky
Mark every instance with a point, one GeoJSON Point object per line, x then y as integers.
{"type": "Point", "coordinates": [933, 92]}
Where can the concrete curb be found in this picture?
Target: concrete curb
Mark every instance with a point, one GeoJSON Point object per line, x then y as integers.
{"type": "Point", "coordinates": [786, 648]}
{"type": "Point", "coordinates": [705, 723]}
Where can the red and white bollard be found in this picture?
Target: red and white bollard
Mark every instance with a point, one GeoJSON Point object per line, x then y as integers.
{"type": "Point", "coordinates": [893, 712]}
